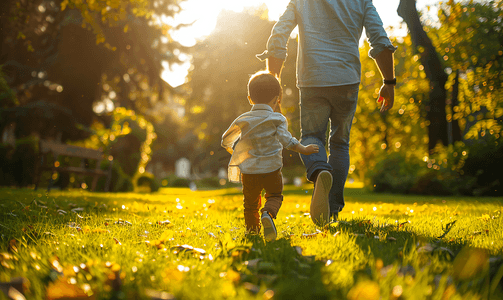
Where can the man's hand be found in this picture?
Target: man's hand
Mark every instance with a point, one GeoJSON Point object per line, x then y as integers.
{"type": "Point", "coordinates": [386, 97]}
{"type": "Point", "coordinates": [278, 106]}
{"type": "Point", "coordinates": [274, 66]}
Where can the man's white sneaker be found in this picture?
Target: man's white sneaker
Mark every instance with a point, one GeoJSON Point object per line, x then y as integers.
{"type": "Point", "coordinates": [270, 232]}
{"type": "Point", "coordinates": [320, 207]}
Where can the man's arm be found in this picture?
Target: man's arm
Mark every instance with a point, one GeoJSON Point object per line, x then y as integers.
{"type": "Point", "coordinates": [382, 51]}
{"type": "Point", "coordinates": [274, 66]}
{"type": "Point", "coordinates": [276, 51]}
{"type": "Point", "coordinates": [385, 64]}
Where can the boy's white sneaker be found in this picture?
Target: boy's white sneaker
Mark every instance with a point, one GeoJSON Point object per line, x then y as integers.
{"type": "Point", "coordinates": [320, 207]}
{"type": "Point", "coordinates": [270, 232]}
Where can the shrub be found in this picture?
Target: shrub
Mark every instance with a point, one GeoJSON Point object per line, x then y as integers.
{"type": "Point", "coordinates": [6, 164]}
{"type": "Point", "coordinates": [19, 163]}
{"type": "Point", "coordinates": [145, 182]}
{"type": "Point", "coordinates": [209, 182]}
{"type": "Point", "coordinates": [484, 165]}
{"type": "Point", "coordinates": [395, 174]}
{"type": "Point", "coordinates": [119, 182]}
{"type": "Point", "coordinates": [180, 182]}
{"type": "Point", "coordinates": [472, 168]}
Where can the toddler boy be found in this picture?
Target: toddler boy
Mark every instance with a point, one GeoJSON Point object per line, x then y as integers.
{"type": "Point", "coordinates": [257, 158]}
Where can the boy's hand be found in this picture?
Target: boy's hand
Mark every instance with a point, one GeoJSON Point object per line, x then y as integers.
{"type": "Point", "coordinates": [310, 149]}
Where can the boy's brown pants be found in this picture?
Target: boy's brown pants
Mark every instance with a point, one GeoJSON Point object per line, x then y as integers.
{"type": "Point", "coordinates": [253, 184]}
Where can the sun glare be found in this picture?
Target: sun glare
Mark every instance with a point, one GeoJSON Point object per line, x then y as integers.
{"type": "Point", "coordinates": [202, 15]}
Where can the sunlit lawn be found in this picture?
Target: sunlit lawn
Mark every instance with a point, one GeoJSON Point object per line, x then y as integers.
{"type": "Point", "coordinates": [192, 245]}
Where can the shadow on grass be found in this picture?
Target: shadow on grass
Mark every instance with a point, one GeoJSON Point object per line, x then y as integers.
{"type": "Point", "coordinates": [282, 268]}
{"type": "Point", "coordinates": [395, 243]}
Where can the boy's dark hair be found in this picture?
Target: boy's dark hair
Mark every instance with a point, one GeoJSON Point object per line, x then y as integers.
{"type": "Point", "coordinates": [263, 87]}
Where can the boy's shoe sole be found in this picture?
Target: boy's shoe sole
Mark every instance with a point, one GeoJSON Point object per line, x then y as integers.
{"type": "Point", "coordinates": [320, 208]}
{"type": "Point", "coordinates": [270, 232]}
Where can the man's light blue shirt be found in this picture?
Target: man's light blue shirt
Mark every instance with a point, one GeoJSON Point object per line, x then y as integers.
{"type": "Point", "coordinates": [329, 35]}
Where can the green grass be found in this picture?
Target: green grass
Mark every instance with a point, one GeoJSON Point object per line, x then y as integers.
{"type": "Point", "coordinates": [111, 246]}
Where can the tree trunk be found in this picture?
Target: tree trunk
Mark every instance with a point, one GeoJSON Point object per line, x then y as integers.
{"type": "Point", "coordinates": [456, 130]}
{"type": "Point", "coordinates": [435, 108]}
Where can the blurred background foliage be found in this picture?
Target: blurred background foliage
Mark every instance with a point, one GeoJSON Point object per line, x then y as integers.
{"type": "Point", "coordinates": [94, 67]}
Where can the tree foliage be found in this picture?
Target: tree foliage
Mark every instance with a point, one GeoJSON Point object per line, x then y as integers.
{"type": "Point", "coordinates": [86, 55]}
{"type": "Point", "coordinates": [470, 40]}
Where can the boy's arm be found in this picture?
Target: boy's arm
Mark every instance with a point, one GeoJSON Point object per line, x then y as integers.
{"type": "Point", "coordinates": [291, 143]}
{"type": "Point", "coordinates": [230, 136]}
{"type": "Point", "coordinates": [306, 150]}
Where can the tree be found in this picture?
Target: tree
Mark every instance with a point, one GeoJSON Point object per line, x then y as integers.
{"type": "Point", "coordinates": [79, 54]}
{"type": "Point", "coordinates": [433, 67]}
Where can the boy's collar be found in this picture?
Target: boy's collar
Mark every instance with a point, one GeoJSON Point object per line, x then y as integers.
{"type": "Point", "coordinates": [261, 107]}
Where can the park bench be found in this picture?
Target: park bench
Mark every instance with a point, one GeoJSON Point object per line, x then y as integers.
{"type": "Point", "coordinates": [57, 150]}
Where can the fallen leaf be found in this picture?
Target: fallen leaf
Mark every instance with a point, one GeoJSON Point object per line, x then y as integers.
{"type": "Point", "coordinates": [55, 264]}
{"type": "Point", "coordinates": [310, 235]}
{"type": "Point", "coordinates": [254, 289]}
{"type": "Point", "coordinates": [61, 289]}
{"type": "Point", "coordinates": [15, 288]}
{"type": "Point", "coordinates": [426, 248]}
{"type": "Point", "coordinates": [13, 245]}
{"type": "Point", "coordinates": [14, 294]}
{"type": "Point", "coordinates": [485, 217]}
{"type": "Point", "coordinates": [233, 276]}
{"type": "Point", "coordinates": [165, 222]}
{"type": "Point", "coordinates": [365, 290]}
{"type": "Point", "coordinates": [123, 222]}
{"type": "Point", "coordinates": [252, 264]}
{"type": "Point", "coordinates": [159, 295]}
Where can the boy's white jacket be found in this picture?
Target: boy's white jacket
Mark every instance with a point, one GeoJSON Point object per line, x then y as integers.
{"type": "Point", "coordinates": [262, 134]}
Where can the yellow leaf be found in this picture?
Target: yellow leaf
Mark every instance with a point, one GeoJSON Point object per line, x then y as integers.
{"type": "Point", "coordinates": [61, 289]}
{"type": "Point", "coordinates": [64, 4]}
{"type": "Point", "coordinates": [166, 235]}
{"type": "Point", "coordinates": [365, 290]}
{"type": "Point", "coordinates": [485, 217]}
{"type": "Point", "coordinates": [126, 28]}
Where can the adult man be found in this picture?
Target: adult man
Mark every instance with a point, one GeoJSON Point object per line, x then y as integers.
{"type": "Point", "coordinates": [328, 77]}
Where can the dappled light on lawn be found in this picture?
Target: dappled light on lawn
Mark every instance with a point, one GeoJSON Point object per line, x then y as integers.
{"type": "Point", "coordinates": [99, 246]}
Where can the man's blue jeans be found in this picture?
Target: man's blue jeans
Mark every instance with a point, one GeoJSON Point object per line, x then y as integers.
{"type": "Point", "coordinates": [318, 106]}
